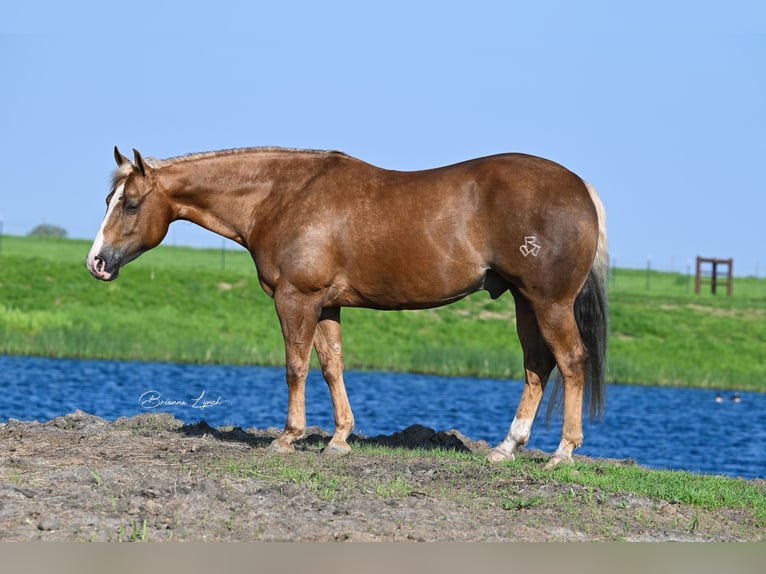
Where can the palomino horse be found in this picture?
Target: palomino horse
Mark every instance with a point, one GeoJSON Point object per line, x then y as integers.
{"type": "Point", "coordinates": [326, 231]}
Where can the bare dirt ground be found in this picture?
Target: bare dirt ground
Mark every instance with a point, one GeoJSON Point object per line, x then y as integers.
{"type": "Point", "coordinates": [150, 477]}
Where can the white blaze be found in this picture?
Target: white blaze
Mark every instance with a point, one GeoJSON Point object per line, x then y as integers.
{"type": "Point", "coordinates": [99, 242]}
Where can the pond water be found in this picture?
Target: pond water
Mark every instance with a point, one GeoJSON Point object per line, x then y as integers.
{"type": "Point", "coordinates": [683, 429]}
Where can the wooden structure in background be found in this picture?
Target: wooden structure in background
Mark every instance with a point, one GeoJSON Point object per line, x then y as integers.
{"type": "Point", "coordinates": [714, 273]}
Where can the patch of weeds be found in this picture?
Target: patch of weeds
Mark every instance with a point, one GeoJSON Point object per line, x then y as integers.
{"type": "Point", "coordinates": [137, 533]}
{"type": "Point", "coordinates": [328, 487]}
{"type": "Point", "coordinates": [15, 478]}
{"type": "Point", "coordinates": [607, 530]}
{"type": "Point", "coordinates": [377, 450]}
{"type": "Point", "coordinates": [295, 469]}
{"type": "Point", "coordinates": [694, 523]}
{"type": "Point", "coordinates": [393, 488]}
{"type": "Point", "coordinates": [522, 503]}
{"type": "Point", "coordinates": [295, 474]}
{"type": "Point", "coordinates": [271, 469]}
{"type": "Point", "coordinates": [96, 476]}
{"type": "Point", "coordinates": [232, 520]}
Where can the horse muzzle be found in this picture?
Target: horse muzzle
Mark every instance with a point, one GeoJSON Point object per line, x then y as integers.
{"type": "Point", "coordinates": [101, 269]}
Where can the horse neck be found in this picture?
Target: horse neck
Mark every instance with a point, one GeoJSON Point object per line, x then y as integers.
{"type": "Point", "coordinates": [221, 196]}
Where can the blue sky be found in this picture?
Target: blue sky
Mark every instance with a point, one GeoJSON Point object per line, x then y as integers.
{"type": "Point", "coordinates": [661, 105]}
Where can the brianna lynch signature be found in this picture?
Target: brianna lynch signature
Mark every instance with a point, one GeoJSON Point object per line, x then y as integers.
{"type": "Point", "coordinates": [154, 400]}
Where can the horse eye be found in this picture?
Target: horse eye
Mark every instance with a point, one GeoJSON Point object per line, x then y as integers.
{"type": "Point", "coordinates": [131, 208]}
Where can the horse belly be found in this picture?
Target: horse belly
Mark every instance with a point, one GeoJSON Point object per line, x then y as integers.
{"type": "Point", "coordinates": [406, 279]}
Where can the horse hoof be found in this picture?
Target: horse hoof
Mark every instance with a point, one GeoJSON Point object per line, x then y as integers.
{"type": "Point", "coordinates": [497, 455]}
{"type": "Point", "coordinates": [277, 447]}
{"type": "Point", "coordinates": [333, 449]}
{"type": "Point", "coordinates": [557, 460]}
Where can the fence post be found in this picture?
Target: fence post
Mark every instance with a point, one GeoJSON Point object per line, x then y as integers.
{"type": "Point", "coordinates": [730, 277]}
{"type": "Point", "coordinates": [698, 275]}
{"type": "Point", "coordinates": [714, 274]}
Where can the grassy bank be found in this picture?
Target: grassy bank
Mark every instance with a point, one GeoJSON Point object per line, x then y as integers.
{"type": "Point", "coordinates": [468, 473]}
{"type": "Point", "coordinates": [188, 305]}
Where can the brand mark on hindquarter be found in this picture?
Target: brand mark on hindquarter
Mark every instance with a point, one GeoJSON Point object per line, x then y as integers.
{"type": "Point", "coordinates": [530, 247]}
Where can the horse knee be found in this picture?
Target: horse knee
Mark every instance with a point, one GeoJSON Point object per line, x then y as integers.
{"type": "Point", "coordinates": [332, 370]}
{"type": "Point", "coordinates": [296, 370]}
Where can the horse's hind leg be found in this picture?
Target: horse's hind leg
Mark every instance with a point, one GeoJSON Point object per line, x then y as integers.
{"type": "Point", "coordinates": [329, 349]}
{"type": "Point", "coordinates": [559, 328]}
{"type": "Point", "coordinates": [538, 364]}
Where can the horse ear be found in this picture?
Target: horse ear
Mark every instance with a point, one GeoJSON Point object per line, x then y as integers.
{"type": "Point", "coordinates": [139, 161]}
{"type": "Point", "coordinates": [119, 158]}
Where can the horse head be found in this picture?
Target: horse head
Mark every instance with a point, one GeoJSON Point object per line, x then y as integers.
{"type": "Point", "coordinates": [137, 218]}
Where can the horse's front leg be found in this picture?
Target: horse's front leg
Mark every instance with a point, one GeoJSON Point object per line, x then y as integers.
{"type": "Point", "coordinates": [298, 316]}
{"type": "Point", "coordinates": [329, 349]}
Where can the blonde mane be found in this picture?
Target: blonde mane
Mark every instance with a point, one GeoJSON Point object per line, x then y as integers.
{"type": "Point", "coordinates": [154, 162]}
{"type": "Point", "coordinates": [124, 170]}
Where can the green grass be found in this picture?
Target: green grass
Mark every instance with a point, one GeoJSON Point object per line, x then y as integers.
{"type": "Point", "coordinates": [468, 477]}
{"type": "Point", "coordinates": [711, 492]}
{"type": "Point", "coordinates": [667, 335]}
{"type": "Point", "coordinates": [202, 306]}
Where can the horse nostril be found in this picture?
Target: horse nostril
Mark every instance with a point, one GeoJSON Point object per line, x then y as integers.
{"type": "Point", "coordinates": [99, 264]}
